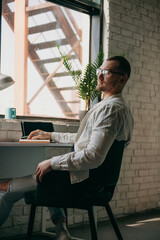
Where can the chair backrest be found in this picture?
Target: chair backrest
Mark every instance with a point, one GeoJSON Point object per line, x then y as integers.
{"type": "Point", "coordinates": [28, 127]}
{"type": "Point", "coordinates": [108, 172]}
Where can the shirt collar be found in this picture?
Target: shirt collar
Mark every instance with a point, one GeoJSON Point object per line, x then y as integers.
{"type": "Point", "coordinates": [113, 96]}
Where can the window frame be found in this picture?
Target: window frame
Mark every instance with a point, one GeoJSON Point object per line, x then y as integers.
{"type": "Point", "coordinates": [96, 19]}
{"type": "Point", "coordinates": [94, 10]}
{"type": "Point", "coordinates": [84, 6]}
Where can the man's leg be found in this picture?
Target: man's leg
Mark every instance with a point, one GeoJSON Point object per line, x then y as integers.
{"type": "Point", "coordinates": [57, 189]}
{"type": "Point", "coordinates": [59, 219]}
{"type": "Point", "coordinates": [52, 188]}
{"type": "Point", "coordinates": [12, 191]}
{"type": "Point", "coordinates": [7, 201]}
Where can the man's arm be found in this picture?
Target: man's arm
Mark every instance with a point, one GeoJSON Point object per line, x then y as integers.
{"type": "Point", "coordinates": [63, 137]}
{"type": "Point", "coordinates": [90, 157]}
{"type": "Point", "coordinates": [42, 169]}
{"type": "Point", "coordinates": [103, 134]}
{"type": "Point", "coordinates": [54, 136]}
{"type": "Point", "coordinates": [105, 129]}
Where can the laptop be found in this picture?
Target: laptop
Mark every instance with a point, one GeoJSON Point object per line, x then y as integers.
{"type": "Point", "coordinates": [28, 127]}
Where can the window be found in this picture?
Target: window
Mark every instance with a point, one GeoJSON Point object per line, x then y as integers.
{"type": "Point", "coordinates": [31, 31]}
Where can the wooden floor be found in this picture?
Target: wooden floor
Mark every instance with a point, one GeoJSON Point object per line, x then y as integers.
{"type": "Point", "coordinates": [144, 226]}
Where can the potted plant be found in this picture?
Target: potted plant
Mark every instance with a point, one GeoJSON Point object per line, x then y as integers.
{"type": "Point", "coordinates": [87, 81]}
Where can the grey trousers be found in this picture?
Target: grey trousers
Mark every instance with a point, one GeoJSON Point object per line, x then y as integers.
{"type": "Point", "coordinates": [16, 191]}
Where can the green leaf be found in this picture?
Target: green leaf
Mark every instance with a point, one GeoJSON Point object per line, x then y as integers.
{"type": "Point", "coordinates": [87, 83]}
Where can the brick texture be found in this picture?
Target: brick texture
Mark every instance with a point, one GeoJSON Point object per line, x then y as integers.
{"type": "Point", "coordinates": [134, 33]}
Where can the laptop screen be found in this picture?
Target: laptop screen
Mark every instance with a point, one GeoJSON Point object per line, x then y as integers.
{"type": "Point", "coordinates": [28, 127]}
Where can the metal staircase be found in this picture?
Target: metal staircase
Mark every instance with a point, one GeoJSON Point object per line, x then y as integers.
{"type": "Point", "coordinates": [70, 37]}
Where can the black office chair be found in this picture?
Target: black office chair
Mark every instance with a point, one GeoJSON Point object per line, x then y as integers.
{"type": "Point", "coordinates": [104, 180]}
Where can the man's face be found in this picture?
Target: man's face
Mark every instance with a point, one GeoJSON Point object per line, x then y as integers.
{"type": "Point", "coordinates": [109, 82]}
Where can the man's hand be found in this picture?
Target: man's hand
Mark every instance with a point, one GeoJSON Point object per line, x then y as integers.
{"type": "Point", "coordinates": [39, 134]}
{"type": "Point", "coordinates": [42, 169]}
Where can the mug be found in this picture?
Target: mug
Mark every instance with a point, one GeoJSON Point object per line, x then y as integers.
{"type": "Point", "coordinates": [10, 113]}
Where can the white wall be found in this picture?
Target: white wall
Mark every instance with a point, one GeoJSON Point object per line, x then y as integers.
{"type": "Point", "coordinates": [132, 29]}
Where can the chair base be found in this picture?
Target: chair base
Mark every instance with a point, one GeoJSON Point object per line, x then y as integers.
{"type": "Point", "coordinates": [94, 235]}
{"type": "Point", "coordinates": [92, 223]}
{"type": "Point", "coordinates": [113, 221]}
{"type": "Point", "coordinates": [31, 222]}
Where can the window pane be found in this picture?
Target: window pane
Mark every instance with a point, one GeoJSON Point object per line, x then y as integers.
{"type": "Point", "coordinates": [49, 25]}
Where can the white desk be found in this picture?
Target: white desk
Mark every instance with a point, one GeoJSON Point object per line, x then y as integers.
{"type": "Point", "coordinates": [20, 159]}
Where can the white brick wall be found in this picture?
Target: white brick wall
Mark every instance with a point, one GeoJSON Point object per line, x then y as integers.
{"type": "Point", "coordinates": [10, 130]}
{"type": "Point", "coordinates": [134, 33]}
{"type": "Point", "coordinates": [131, 28]}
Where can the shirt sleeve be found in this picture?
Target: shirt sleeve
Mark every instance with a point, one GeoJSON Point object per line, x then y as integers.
{"type": "Point", "coordinates": [63, 137]}
{"type": "Point", "coordinates": [103, 135]}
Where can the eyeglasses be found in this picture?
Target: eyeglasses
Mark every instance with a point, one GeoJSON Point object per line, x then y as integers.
{"type": "Point", "coordinates": [106, 72]}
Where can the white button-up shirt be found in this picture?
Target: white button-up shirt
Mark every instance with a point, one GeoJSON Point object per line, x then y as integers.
{"type": "Point", "coordinates": [107, 121]}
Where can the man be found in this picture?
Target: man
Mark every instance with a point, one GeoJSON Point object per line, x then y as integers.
{"type": "Point", "coordinates": [107, 121]}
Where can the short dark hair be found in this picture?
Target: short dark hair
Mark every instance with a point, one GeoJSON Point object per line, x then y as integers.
{"type": "Point", "coordinates": [124, 65]}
